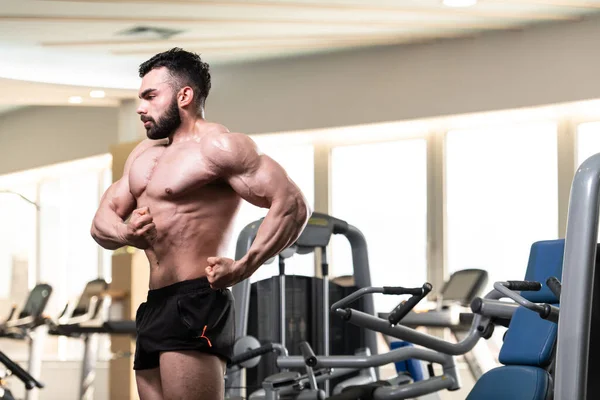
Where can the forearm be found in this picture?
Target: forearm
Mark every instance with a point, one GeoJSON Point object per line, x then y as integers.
{"type": "Point", "coordinates": [108, 229]}
{"type": "Point", "coordinates": [281, 227]}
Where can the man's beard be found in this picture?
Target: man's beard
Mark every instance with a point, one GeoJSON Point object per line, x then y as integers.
{"type": "Point", "coordinates": [166, 125]}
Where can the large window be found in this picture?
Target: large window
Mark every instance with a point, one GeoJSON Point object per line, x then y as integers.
{"type": "Point", "coordinates": [381, 189]}
{"type": "Point", "coordinates": [501, 187]}
{"type": "Point", "coordinates": [69, 255]}
{"type": "Point", "coordinates": [298, 161]}
{"type": "Point", "coordinates": [588, 141]}
{"type": "Point", "coordinates": [17, 253]}
{"type": "Point", "coordinates": [53, 244]}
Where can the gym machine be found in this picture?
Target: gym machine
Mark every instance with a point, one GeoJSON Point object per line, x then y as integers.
{"type": "Point", "coordinates": [489, 311]}
{"type": "Point", "coordinates": [13, 368]}
{"type": "Point", "coordinates": [288, 385]}
{"type": "Point", "coordinates": [87, 318]}
{"type": "Point", "coordinates": [578, 346]}
{"type": "Point", "coordinates": [452, 312]}
{"type": "Point", "coordinates": [526, 353]}
{"type": "Point", "coordinates": [539, 343]}
{"type": "Point", "coordinates": [317, 234]}
{"type": "Point", "coordinates": [29, 324]}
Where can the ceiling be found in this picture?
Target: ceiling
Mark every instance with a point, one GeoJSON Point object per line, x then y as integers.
{"type": "Point", "coordinates": [100, 43]}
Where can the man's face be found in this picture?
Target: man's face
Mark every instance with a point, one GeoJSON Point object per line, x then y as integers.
{"type": "Point", "coordinates": [158, 108]}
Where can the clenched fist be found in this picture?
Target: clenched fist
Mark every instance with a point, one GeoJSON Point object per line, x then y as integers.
{"type": "Point", "coordinates": [140, 230]}
{"type": "Point", "coordinates": [223, 272]}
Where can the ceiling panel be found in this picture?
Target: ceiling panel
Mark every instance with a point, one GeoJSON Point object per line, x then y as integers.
{"type": "Point", "coordinates": [103, 34]}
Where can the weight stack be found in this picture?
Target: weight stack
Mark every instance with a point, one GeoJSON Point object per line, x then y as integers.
{"type": "Point", "coordinates": [304, 316]}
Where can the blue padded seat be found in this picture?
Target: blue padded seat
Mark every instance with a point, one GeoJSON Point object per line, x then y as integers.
{"type": "Point", "coordinates": [514, 382]}
{"type": "Point", "coordinates": [530, 340]}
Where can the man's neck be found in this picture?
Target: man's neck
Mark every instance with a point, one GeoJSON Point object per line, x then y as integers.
{"type": "Point", "coordinates": [190, 129]}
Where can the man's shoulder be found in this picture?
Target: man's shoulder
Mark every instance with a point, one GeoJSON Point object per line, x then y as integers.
{"type": "Point", "coordinates": [221, 140]}
{"type": "Point", "coordinates": [230, 149]}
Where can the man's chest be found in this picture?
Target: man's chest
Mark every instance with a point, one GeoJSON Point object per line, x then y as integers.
{"type": "Point", "coordinates": [162, 172]}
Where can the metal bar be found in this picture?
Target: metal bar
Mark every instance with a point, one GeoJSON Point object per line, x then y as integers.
{"type": "Point", "coordinates": [578, 276]}
{"type": "Point", "coordinates": [422, 339]}
{"type": "Point", "coordinates": [375, 360]}
{"type": "Point", "coordinates": [511, 294]}
{"type": "Point", "coordinates": [415, 389]}
{"type": "Point", "coordinates": [496, 309]}
{"type": "Point", "coordinates": [362, 276]}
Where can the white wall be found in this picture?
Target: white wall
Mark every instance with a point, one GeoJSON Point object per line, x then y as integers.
{"type": "Point", "coordinates": [548, 64]}
{"type": "Point", "coordinates": [37, 136]}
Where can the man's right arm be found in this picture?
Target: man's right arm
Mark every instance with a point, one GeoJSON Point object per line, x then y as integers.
{"type": "Point", "coordinates": [109, 229]}
{"type": "Point", "coordinates": [108, 226]}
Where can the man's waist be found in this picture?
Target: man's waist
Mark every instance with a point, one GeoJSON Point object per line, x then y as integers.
{"type": "Point", "coordinates": [178, 288]}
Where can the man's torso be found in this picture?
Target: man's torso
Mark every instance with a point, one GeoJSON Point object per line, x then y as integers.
{"type": "Point", "coordinates": [192, 208]}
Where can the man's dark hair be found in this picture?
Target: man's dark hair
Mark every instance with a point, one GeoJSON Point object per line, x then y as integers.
{"type": "Point", "coordinates": [186, 68]}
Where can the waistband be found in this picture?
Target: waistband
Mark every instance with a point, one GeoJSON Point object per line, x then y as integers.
{"type": "Point", "coordinates": [182, 287]}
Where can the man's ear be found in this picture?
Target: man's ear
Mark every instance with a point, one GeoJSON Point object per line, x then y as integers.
{"type": "Point", "coordinates": [185, 96]}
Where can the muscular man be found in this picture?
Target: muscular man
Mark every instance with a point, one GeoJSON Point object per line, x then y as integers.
{"type": "Point", "coordinates": [178, 196]}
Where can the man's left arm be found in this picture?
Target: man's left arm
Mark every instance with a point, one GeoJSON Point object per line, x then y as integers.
{"type": "Point", "coordinates": [263, 182]}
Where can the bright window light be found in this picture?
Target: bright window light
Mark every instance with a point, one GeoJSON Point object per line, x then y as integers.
{"type": "Point", "coordinates": [390, 208]}
{"type": "Point", "coordinates": [500, 197]}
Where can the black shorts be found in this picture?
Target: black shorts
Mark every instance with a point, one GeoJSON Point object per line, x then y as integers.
{"type": "Point", "coordinates": [187, 315]}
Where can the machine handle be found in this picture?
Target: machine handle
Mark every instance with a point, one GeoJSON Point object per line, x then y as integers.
{"type": "Point", "coordinates": [550, 313]}
{"type": "Point", "coordinates": [352, 297]}
{"type": "Point", "coordinates": [250, 354]}
{"type": "Point", "coordinates": [523, 286]}
{"type": "Point", "coordinates": [29, 381]}
{"type": "Point", "coordinates": [400, 290]}
{"type": "Point", "coordinates": [405, 307]}
{"type": "Point", "coordinates": [554, 285]}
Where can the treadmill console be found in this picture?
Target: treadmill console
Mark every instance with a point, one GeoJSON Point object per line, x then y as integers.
{"type": "Point", "coordinates": [463, 286]}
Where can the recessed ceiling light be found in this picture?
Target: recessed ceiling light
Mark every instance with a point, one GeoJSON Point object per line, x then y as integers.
{"type": "Point", "coordinates": [460, 3]}
{"type": "Point", "coordinates": [75, 99]}
{"type": "Point", "coordinates": [97, 94]}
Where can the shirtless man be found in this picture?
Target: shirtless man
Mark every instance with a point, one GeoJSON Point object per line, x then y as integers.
{"type": "Point", "coordinates": [178, 196]}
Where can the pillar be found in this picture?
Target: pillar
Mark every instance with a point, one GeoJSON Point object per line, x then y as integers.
{"type": "Point", "coordinates": [322, 203]}
{"type": "Point", "coordinates": [436, 265]}
{"type": "Point", "coordinates": [567, 149]}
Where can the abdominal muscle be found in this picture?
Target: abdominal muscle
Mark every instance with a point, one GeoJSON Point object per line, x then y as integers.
{"type": "Point", "coordinates": [188, 233]}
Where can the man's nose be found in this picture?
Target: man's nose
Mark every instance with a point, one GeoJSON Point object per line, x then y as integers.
{"type": "Point", "coordinates": [141, 109]}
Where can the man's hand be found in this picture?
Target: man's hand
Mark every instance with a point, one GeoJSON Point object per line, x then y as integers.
{"type": "Point", "coordinates": [223, 272]}
{"type": "Point", "coordinates": [140, 231]}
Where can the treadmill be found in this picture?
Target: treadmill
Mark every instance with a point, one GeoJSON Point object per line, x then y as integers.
{"type": "Point", "coordinates": [30, 325]}
{"type": "Point", "coordinates": [87, 319]}
{"type": "Point", "coordinates": [317, 234]}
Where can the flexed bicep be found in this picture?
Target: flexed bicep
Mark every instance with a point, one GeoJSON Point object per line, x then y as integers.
{"type": "Point", "coordinates": [263, 183]}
